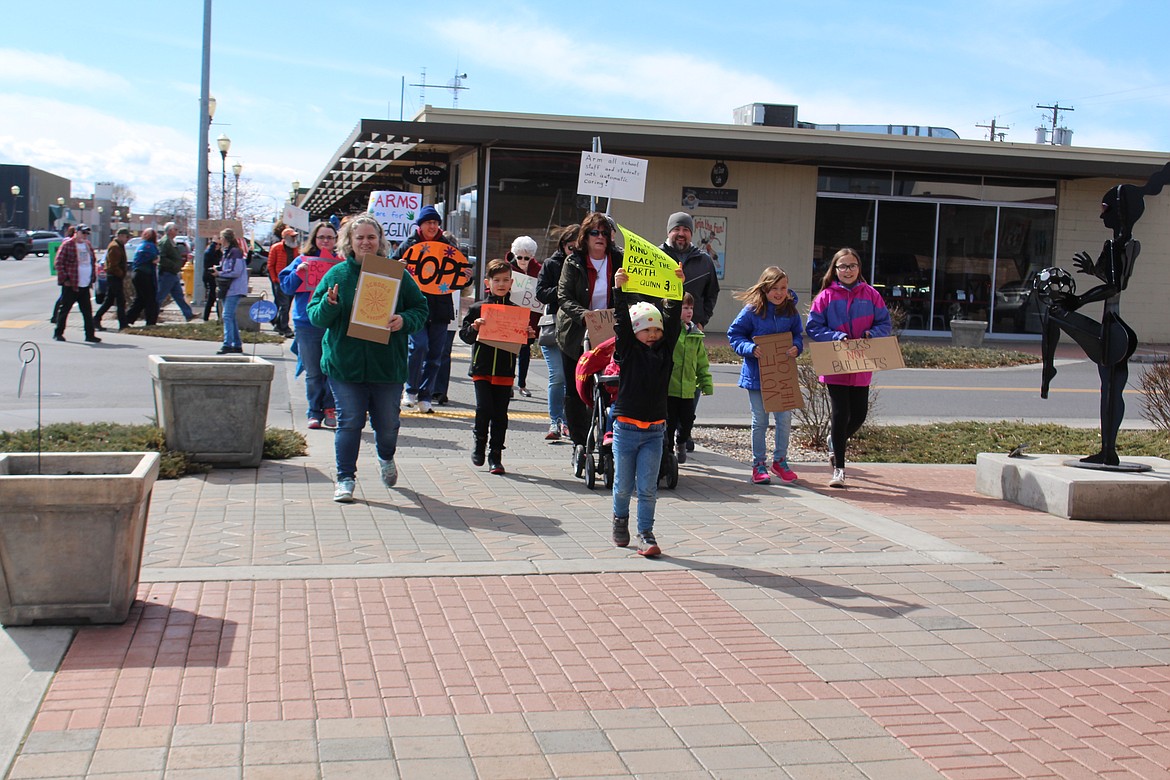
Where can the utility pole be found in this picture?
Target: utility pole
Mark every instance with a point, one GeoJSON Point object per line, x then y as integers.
{"type": "Point", "coordinates": [1056, 108]}
{"type": "Point", "coordinates": [994, 131]}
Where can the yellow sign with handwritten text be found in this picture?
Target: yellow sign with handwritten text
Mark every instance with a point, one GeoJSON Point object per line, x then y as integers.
{"type": "Point", "coordinates": [651, 271]}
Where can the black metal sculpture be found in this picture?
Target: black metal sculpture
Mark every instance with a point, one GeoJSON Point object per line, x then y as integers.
{"type": "Point", "coordinates": [1111, 342]}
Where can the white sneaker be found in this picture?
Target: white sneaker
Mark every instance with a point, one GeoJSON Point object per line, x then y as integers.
{"type": "Point", "coordinates": [344, 492]}
{"type": "Point", "coordinates": [424, 407]}
{"type": "Point", "coordinates": [408, 400]}
{"type": "Point", "coordinates": [838, 479]}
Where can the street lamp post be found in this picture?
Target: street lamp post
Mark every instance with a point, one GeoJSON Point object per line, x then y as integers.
{"type": "Point", "coordinates": [237, 168]}
{"type": "Point", "coordinates": [8, 218]}
{"type": "Point", "coordinates": [224, 144]}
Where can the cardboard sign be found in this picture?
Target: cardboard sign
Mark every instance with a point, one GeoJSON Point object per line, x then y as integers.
{"type": "Point", "coordinates": [295, 217]}
{"type": "Point", "coordinates": [610, 176]}
{"type": "Point", "coordinates": [437, 267]}
{"type": "Point", "coordinates": [524, 292]}
{"type": "Point", "coordinates": [651, 271]}
{"type": "Point", "coordinates": [779, 381]}
{"type": "Point", "coordinates": [504, 323]}
{"type": "Point", "coordinates": [855, 356]}
{"type": "Point", "coordinates": [211, 227]}
{"type": "Point", "coordinates": [396, 211]}
{"type": "Point", "coordinates": [375, 299]}
{"type": "Point", "coordinates": [312, 270]}
{"type": "Point", "coordinates": [599, 325]}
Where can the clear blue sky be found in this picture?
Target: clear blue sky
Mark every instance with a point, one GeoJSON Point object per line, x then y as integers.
{"type": "Point", "coordinates": [112, 94]}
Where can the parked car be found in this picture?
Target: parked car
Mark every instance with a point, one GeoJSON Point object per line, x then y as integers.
{"type": "Point", "coordinates": [14, 243]}
{"type": "Point", "coordinates": [41, 239]}
{"type": "Point", "coordinates": [257, 258]}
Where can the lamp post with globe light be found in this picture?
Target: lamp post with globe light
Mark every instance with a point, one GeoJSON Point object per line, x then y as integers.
{"type": "Point", "coordinates": [237, 168]}
{"type": "Point", "coordinates": [224, 143]}
{"type": "Point", "coordinates": [9, 217]}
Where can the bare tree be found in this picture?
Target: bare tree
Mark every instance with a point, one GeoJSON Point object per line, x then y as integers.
{"type": "Point", "coordinates": [180, 210]}
{"type": "Point", "coordinates": [123, 198]}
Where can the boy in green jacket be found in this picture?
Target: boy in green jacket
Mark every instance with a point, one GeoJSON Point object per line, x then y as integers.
{"type": "Point", "coordinates": [691, 372]}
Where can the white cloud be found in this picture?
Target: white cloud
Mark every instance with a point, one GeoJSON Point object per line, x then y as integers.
{"type": "Point", "coordinates": [38, 68]}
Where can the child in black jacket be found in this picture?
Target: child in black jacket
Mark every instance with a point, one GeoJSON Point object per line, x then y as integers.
{"type": "Point", "coordinates": [645, 351]}
{"type": "Point", "coordinates": [492, 371]}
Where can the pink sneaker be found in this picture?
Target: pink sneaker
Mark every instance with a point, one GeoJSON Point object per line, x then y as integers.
{"type": "Point", "coordinates": [780, 469]}
{"type": "Point", "coordinates": [760, 475]}
{"type": "Point", "coordinates": [607, 439]}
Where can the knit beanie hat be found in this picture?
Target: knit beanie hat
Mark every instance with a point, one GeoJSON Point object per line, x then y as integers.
{"type": "Point", "coordinates": [680, 219]}
{"type": "Point", "coordinates": [427, 214]}
{"type": "Point", "coordinates": [645, 315]}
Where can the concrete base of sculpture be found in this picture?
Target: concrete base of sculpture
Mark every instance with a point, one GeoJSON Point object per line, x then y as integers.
{"type": "Point", "coordinates": [967, 333]}
{"type": "Point", "coordinates": [1044, 482]}
{"type": "Point", "coordinates": [213, 407]}
{"type": "Point", "coordinates": [71, 533]}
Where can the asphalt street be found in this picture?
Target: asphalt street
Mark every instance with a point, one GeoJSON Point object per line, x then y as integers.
{"type": "Point", "coordinates": [111, 381]}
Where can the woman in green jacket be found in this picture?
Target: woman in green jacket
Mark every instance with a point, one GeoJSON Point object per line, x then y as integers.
{"type": "Point", "coordinates": [366, 376]}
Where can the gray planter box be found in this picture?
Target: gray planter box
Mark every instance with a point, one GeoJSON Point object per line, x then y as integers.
{"type": "Point", "coordinates": [213, 407]}
{"type": "Point", "coordinates": [244, 319]}
{"type": "Point", "coordinates": [967, 333]}
{"type": "Point", "coordinates": [71, 536]}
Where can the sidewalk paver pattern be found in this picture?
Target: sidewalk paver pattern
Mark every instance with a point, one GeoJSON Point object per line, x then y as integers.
{"type": "Point", "coordinates": [468, 625]}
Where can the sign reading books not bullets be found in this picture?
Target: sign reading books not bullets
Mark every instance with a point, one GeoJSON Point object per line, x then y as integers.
{"type": "Point", "coordinates": [855, 356]}
{"type": "Point", "coordinates": [376, 298]}
{"type": "Point", "coordinates": [779, 379]}
{"type": "Point", "coordinates": [504, 327]}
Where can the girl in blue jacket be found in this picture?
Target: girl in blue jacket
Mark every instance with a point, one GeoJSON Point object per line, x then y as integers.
{"type": "Point", "coordinates": [770, 308]}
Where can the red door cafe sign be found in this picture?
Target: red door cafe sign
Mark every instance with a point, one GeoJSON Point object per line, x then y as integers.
{"type": "Point", "coordinates": [438, 268]}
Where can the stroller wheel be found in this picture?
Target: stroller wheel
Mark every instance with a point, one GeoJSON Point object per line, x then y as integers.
{"type": "Point", "coordinates": [590, 471]}
{"type": "Point", "coordinates": [607, 469]}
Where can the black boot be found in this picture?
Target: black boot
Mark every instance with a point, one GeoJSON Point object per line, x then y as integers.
{"type": "Point", "coordinates": [495, 465]}
{"type": "Point", "coordinates": [477, 453]}
{"type": "Point", "coordinates": [621, 531]}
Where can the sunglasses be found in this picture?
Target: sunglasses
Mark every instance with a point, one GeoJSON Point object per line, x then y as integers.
{"type": "Point", "coordinates": [522, 257]}
{"type": "Point", "coordinates": [596, 233]}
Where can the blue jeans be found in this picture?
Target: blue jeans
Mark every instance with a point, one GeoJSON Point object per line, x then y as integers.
{"type": "Point", "coordinates": [637, 456]}
{"type": "Point", "coordinates": [556, 384]}
{"type": "Point", "coordinates": [425, 358]}
{"type": "Point", "coordinates": [760, 431]}
{"type": "Point", "coordinates": [172, 285]}
{"type": "Point", "coordinates": [355, 400]}
{"type": "Point", "coordinates": [443, 380]}
{"type": "Point", "coordinates": [317, 390]}
{"type": "Point", "coordinates": [231, 330]}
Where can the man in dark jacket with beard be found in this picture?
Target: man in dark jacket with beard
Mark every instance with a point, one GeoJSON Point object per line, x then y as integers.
{"type": "Point", "coordinates": [702, 280]}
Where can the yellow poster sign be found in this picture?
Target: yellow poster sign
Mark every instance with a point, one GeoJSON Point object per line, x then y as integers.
{"type": "Point", "coordinates": [651, 271]}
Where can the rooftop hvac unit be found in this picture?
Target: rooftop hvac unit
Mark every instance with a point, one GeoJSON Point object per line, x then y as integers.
{"type": "Point", "coordinates": [1041, 135]}
{"type": "Point", "coordinates": [1062, 136]}
{"type": "Point", "coordinates": [765, 114]}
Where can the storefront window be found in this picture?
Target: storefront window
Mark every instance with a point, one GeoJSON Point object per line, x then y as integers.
{"type": "Point", "coordinates": [841, 223]}
{"type": "Point", "coordinates": [1025, 247]}
{"type": "Point", "coordinates": [904, 259]}
{"type": "Point", "coordinates": [530, 193]}
{"type": "Point", "coordinates": [965, 262]}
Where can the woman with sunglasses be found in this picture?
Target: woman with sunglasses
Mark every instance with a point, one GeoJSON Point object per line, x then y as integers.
{"type": "Point", "coordinates": [846, 308]}
{"type": "Point", "coordinates": [299, 279]}
{"type": "Point", "coordinates": [586, 284]}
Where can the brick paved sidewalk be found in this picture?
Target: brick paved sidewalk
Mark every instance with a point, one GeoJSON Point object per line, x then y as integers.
{"type": "Point", "coordinates": [466, 625]}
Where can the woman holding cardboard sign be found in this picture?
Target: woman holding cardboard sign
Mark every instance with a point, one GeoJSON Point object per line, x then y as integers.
{"type": "Point", "coordinates": [846, 308]}
{"type": "Point", "coordinates": [586, 284]}
{"type": "Point", "coordinates": [366, 376]}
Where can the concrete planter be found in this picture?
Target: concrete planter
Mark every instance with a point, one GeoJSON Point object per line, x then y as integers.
{"type": "Point", "coordinates": [967, 333]}
{"type": "Point", "coordinates": [213, 407]}
{"type": "Point", "coordinates": [71, 535]}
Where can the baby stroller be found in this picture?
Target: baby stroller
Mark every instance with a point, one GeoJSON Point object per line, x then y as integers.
{"type": "Point", "coordinates": [597, 381]}
{"type": "Point", "coordinates": [597, 389]}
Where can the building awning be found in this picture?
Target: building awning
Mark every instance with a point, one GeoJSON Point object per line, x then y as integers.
{"type": "Point", "coordinates": [379, 150]}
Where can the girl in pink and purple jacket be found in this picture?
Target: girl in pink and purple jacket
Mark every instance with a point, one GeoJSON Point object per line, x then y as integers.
{"type": "Point", "coordinates": [846, 308]}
